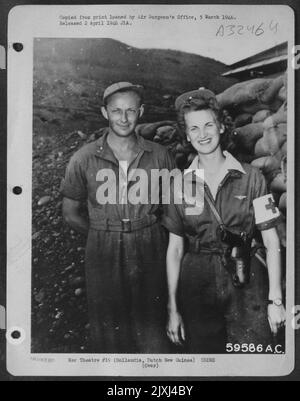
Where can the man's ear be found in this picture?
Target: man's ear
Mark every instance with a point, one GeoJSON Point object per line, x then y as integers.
{"type": "Point", "coordinates": [142, 110]}
{"type": "Point", "coordinates": [104, 112]}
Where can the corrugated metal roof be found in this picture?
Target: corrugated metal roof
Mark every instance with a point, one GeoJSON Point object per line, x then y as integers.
{"type": "Point", "coordinates": [248, 67]}
{"type": "Point", "coordinates": [276, 51]}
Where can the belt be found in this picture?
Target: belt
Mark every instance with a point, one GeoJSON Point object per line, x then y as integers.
{"type": "Point", "coordinates": [124, 225]}
{"type": "Point", "coordinates": [196, 247]}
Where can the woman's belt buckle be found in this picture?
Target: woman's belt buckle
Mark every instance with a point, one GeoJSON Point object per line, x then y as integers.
{"type": "Point", "coordinates": [126, 225]}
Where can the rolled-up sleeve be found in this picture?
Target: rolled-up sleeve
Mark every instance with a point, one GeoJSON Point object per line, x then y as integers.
{"type": "Point", "coordinates": [267, 214]}
{"type": "Point", "coordinates": [172, 215]}
{"type": "Point", "coordinates": [74, 184]}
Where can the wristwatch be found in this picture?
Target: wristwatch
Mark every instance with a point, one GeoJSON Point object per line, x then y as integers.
{"type": "Point", "coordinates": [276, 302]}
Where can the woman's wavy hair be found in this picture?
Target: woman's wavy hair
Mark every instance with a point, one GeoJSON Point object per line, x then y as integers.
{"type": "Point", "coordinates": [197, 104]}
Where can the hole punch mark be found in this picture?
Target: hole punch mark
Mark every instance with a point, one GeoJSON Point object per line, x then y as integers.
{"type": "Point", "coordinates": [16, 335]}
{"type": "Point", "coordinates": [17, 190]}
{"type": "Point", "coordinates": [18, 47]}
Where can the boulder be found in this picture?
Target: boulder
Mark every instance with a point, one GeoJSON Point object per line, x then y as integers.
{"type": "Point", "coordinates": [44, 200]}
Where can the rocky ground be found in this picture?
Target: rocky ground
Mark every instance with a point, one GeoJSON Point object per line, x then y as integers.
{"type": "Point", "coordinates": [59, 318]}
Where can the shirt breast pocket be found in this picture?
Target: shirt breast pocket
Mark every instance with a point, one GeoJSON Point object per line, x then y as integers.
{"type": "Point", "coordinates": [194, 209]}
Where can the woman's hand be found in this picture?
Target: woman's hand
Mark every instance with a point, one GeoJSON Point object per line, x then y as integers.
{"type": "Point", "coordinates": [175, 328]}
{"type": "Point", "coordinates": [277, 317]}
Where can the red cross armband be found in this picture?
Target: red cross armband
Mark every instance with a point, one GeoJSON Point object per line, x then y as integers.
{"type": "Point", "coordinates": [267, 215]}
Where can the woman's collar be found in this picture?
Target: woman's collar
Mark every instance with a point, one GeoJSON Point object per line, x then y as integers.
{"type": "Point", "coordinates": [231, 163]}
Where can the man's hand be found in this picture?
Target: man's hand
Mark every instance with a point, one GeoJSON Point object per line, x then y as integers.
{"type": "Point", "coordinates": [277, 317]}
{"type": "Point", "coordinates": [73, 217]}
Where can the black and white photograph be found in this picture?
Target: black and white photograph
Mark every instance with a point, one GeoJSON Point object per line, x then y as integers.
{"type": "Point", "coordinates": [155, 234]}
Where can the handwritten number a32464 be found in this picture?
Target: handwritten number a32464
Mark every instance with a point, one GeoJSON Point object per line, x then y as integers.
{"type": "Point", "coordinates": [231, 30]}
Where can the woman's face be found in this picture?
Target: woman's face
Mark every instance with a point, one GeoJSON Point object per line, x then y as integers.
{"type": "Point", "coordinates": [203, 131]}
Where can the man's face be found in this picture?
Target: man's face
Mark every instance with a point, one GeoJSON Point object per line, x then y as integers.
{"type": "Point", "coordinates": [203, 130]}
{"type": "Point", "coordinates": [123, 111]}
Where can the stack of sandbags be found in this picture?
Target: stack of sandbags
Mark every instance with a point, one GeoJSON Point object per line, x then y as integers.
{"type": "Point", "coordinates": [259, 110]}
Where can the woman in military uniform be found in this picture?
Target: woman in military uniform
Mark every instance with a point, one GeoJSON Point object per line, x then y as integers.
{"type": "Point", "coordinates": [211, 302]}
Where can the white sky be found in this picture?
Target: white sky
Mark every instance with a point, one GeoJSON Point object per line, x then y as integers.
{"type": "Point", "coordinates": [200, 36]}
{"type": "Point", "coordinates": [193, 36]}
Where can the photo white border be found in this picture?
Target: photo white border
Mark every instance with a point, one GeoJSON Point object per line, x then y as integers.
{"type": "Point", "coordinates": [25, 25]}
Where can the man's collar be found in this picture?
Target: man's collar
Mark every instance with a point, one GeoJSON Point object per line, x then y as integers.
{"type": "Point", "coordinates": [102, 145]}
{"type": "Point", "coordinates": [231, 164]}
{"type": "Point", "coordinates": [143, 144]}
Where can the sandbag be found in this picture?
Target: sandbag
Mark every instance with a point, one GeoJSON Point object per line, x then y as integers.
{"type": "Point", "coordinates": [282, 202]}
{"type": "Point", "coordinates": [270, 93]}
{"type": "Point", "coordinates": [243, 92]}
{"type": "Point", "coordinates": [284, 149]}
{"type": "Point", "coordinates": [267, 145]}
{"type": "Point", "coordinates": [181, 160]}
{"type": "Point", "coordinates": [261, 115]}
{"type": "Point", "coordinates": [273, 139]}
{"type": "Point", "coordinates": [148, 130]}
{"type": "Point", "coordinates": [247, 136]}
{"type": "Point", "coordinates": [268, 164]}
{"type": "Point", "coordinates": [255, 107]}
{"type": "Point", "coordinates": [167, 134]}
{"type": "Point", "coordinates": [243, 119]}
{"type": "Point", "coordinates": [191, 158]}
{"type": "Point", "coordinates": [284, 167]}
{"type": "Point", "coordinates": [280, 131]}
{"type": "Point", "coordinates": [244, 157]}
{"type": "Point", "coordinates": [277, 118]}
{"type": "Point", "coordinates": [281, 231]}
{"type": "Point", "coordinates": [279, 183]}
{"type": "Point", "coordinates": [260, 163]}
{"type": "Point", "coordinates": [282, 94]}
{"type": "Point", "coordinates": [285, 79]}
{"type": "Point", "coordinates": [179, 148]}
{"type": "Point", "coordinates": [252, 96]}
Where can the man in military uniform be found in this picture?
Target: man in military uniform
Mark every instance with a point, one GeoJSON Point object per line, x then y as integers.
{"type": "Point", "coordinates": [126, 245]}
